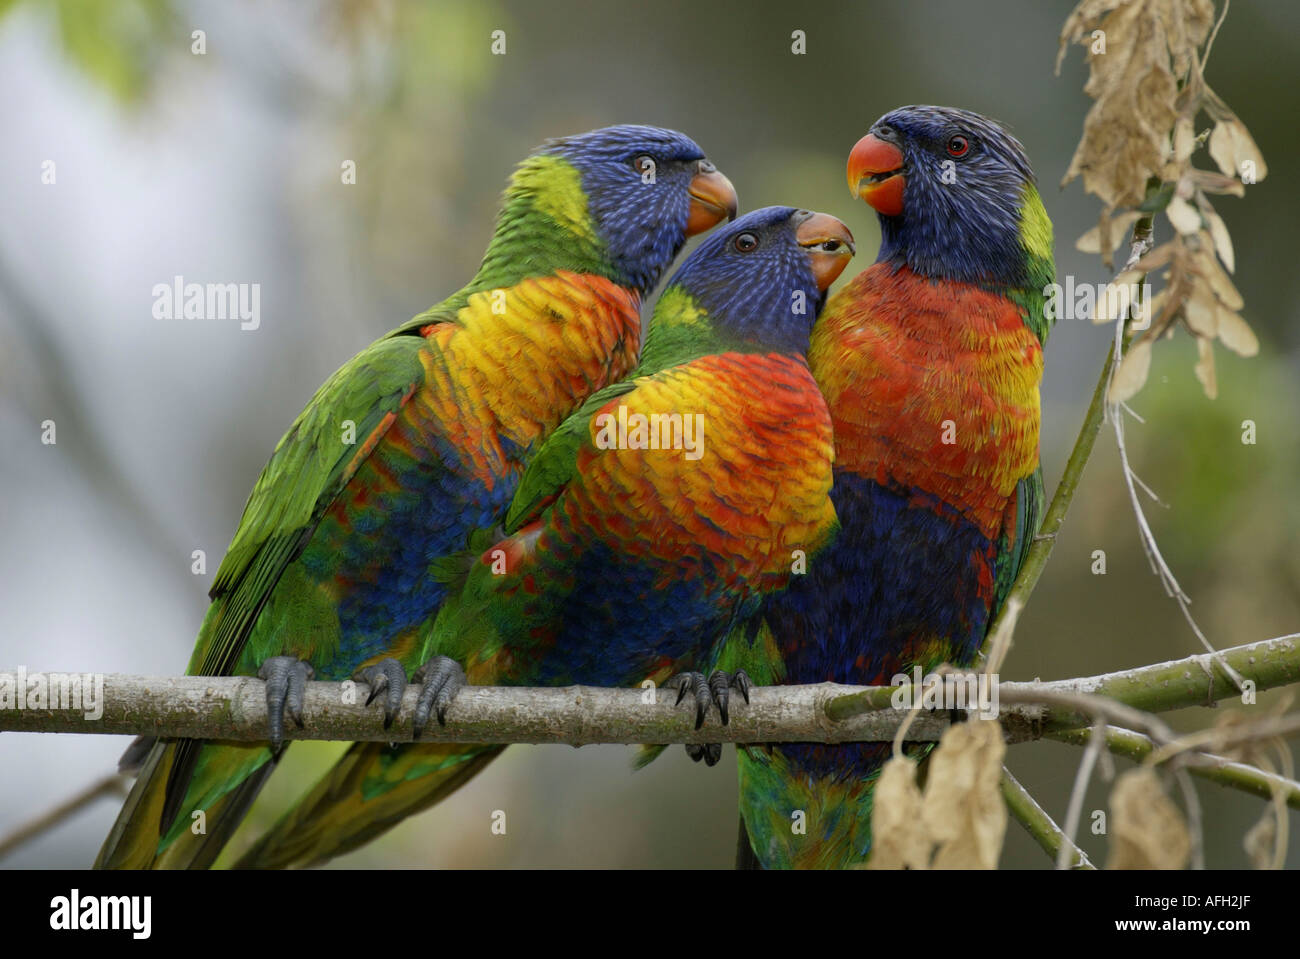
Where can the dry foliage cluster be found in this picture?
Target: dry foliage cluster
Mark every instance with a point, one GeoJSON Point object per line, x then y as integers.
{"type": "Point", "coordinates": [959, 820]}
{"type": "Point", "coordinates": [1146, 61]}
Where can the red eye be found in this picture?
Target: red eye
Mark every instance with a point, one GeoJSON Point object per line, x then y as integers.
{"type": "Point", "coordinates": [958, 146]}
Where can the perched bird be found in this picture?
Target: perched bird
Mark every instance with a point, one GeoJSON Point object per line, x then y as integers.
{"type": "Point", "coordinates": [930, 362]}
{"type": "Point", "coordinates": [410, 447]}
{"type": "Point", "coordinates": [652, 521]}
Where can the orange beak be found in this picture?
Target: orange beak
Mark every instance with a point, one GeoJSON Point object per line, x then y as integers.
{"type": "Point", "coordinates": [829, 244]}
{"type": "Point", "coordinates": [713, 199]}
{"type": "Point", "coordinates": [876, 174]}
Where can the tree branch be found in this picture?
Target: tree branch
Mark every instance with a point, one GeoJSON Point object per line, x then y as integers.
{"type": "Point", "coordinates": [234, 707]}
{"type": "Point", "coordinates": [1157, 688]}
{"type": "Point", "coordinates": [1219, 769]}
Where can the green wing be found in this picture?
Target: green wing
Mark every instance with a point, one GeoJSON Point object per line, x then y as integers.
{"type": "Point", "coordinates": [552, 468]}
{"type": "Point", "coordinates": [1030, 505]}
{"type": "Point", "coordinates": [310, 467]}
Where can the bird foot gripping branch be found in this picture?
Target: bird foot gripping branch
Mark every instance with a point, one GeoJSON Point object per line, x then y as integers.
{"type": "Point", "coordinates": [440, 678]}
{"type": "Point", "coordinates": [716, 690]}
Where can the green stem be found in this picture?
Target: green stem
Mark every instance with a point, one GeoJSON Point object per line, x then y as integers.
{"type": "Point", "coordinates": [1193, 681]}
{"type": "Point", "coordinates": [1026, 811]}
{"type": "Point", "coordinates": [1157, 688]}
{"type": "Point", "coordinates": [1218, 769]}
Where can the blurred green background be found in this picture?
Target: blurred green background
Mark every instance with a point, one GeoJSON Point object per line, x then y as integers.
{"type": "Point", "coordinates": [225, 167]}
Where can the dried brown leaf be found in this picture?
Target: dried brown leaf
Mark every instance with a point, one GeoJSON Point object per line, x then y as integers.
{"type": "Point", "coordinates": [1201, 311]}
{"type": "Point", "coordinates": [1219, 234]}
{"type": "Point", "coordinates": [1083, 19]}
{"type": "Point", "coordinates": [1147, 830]}
{"type": "Point", "coordinates": [1155, 259]}
{"type": "Point", "coordinates": [1187, 25]}
{"type": "Point", "coordinates": [1116, 227]}
{"type": "Point", "coordinates": [1236, 334]}
{"type": "Point", "coordinates": [963, 808]}
{"type": "Point", "coordinates": [1132, 373]}
{"type": "Point", "coordinates": [900, 839]}
{"type": "Point", "coordinates": [1184, 140]}
{"type": "Point", "coordinates": [1126, 132]}
{"type": "Point", "coordinates": [1234, 150]}
{"type": "Point", "coordinates": [1205, 367]}
{"type": "Point", "coordinates": [1208, 267]}
{"type": "Point", "coordinates": [1208, 181]}
{"type": "Point", "coordinates": [1183, 216]}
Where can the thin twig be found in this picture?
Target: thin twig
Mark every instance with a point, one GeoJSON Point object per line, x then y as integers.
{"type": "Point", "coordinates": [1026, 811]}
{"type": "Point", "coordinates": [1074, 811]}
{"type": "Point", "coordinates": [1142, 242]}
{"type": "Point", "coordinates": [1209, 44]}
{"type": "Point", "coordinates": [1157, 560]}
{"type": "Point", "coordinates": [1195, 821]}
{"type": "Point", "coordinates": [114, 785]}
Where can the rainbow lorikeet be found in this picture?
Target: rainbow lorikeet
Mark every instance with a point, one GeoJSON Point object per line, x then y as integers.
{"type": "Point", "coordinates": [930, 361]}
{"type": "Point", "coordinates": [410, 447]}
{"type": "Point", "coordinates": [656, 518]}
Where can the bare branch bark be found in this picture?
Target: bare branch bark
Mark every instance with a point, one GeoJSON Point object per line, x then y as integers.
{"type": "Point", "coordinates": [234, 708]}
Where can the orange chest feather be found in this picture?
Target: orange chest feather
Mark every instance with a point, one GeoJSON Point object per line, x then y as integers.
{"type": "Point", "coordinates": [752, 484]}
{"type": "Point", "coordinates": [931, 387]}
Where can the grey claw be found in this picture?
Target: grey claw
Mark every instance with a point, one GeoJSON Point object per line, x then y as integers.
{"type": "Point", "coordinates": [696, 683]}
{"type": "Point", "coordinates": [387, 675]}
{"type": "Point", "coordinates": [740, 681]}
{"type": "Point", "coordinates": [720, 689]}
{"type": "Point", "coordinates": [720, 685]}
{"type": "Point", "coordinates": [441, 678]}
{"type": "Point", "coordinates": [286, 687]}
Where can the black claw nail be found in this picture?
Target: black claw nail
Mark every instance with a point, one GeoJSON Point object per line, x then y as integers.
{"type": "Point", "coordinates": [702, 697]}
{"type": "Point", "coordinates": [719, 683]}
{"type": "Point", "coordinates": [386, 676]}
{"type": "Point", "coordinates": [740, 679]}
{"type": "Point", "coordinates": [683, 683]}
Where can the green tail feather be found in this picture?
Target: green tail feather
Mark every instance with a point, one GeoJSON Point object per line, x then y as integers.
{"type": "Point", "coordinates": [366, 793]}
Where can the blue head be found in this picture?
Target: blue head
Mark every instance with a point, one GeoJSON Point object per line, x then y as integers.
{"type": "Point", "coordinates": [955, 194]}
{"type": "Point", "coordinates": [762, 280]}
{"type": "Point", "coordinates": [646, 189]}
